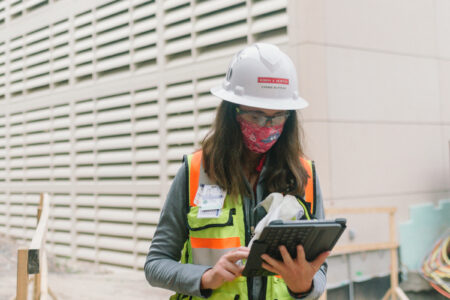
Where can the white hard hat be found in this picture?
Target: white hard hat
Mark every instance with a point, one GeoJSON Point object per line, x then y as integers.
{"type": "Point", "coordinates": [261, 75]}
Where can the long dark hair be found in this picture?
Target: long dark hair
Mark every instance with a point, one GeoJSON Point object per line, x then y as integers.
{"type": "Point", "coordinates": [223, 157]}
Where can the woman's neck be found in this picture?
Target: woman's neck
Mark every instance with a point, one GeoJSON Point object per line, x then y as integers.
{"type": "Point", "coordinates": [250, 160]}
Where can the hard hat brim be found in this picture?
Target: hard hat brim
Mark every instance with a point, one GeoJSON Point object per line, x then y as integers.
{"type": "Point", "coordinates": [267, 103]}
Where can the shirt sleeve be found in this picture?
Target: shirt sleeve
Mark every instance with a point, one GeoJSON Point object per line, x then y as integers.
{"type": "Point", "coordinates": [162, 266]}
{"type": "Point", "coordinates": [320, 278]}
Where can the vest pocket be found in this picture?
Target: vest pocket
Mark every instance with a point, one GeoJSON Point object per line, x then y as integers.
{"type": "Point", "coordinates": [210, 238]}
{"type": "Point", "coordinates": [196, 224]}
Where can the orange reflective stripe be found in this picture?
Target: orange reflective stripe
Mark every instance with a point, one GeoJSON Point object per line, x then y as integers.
{"type": "Point", "coordinates": [309, 189]}
{"type": "Point", "coordinates": [194, 175]}
{"type": "Point", "coordinates": [212, 243]}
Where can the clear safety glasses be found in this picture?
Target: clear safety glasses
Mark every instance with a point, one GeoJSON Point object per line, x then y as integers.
{"type": "Point", "coordinates": [261, 119]}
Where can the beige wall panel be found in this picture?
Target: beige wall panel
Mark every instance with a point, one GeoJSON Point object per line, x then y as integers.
{"type": "Point", "coordinates": [382, 87]}
{"type": "Point", "coordinates": [443, 28]}
{"type": "Point", "coordinates": [317, 148]}
{"type": "Point", "coordinates": [383, 159]}
{"type": "Point", "coordinates": [310, 22]}
{"type": "Point", "coordinates": [444, 84]}
{"type": "Point", "coordinates": [446, 147]}
{"type": "Point", "coordinates": [312, 73]}
{"type": "Point", "coordinates": [399, 26]}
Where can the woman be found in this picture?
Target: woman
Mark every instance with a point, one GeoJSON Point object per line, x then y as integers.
{"type": "Point", "coordinates": [209, 216]}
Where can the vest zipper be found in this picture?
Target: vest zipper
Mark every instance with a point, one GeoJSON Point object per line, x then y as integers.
{"type": "Point", "coordinates": [247, 240]}
{"type": "Point", "coordinates": [262, 295]}
{"type": "Point", "coordinates": [250, 229]}
{"type": "Point", "coordinates": [249, 232]}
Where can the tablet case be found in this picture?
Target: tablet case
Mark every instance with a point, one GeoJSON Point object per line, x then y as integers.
{"type": "Point", "coordinates": [315, 236]}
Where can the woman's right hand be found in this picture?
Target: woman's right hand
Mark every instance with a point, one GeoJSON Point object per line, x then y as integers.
{"type": "Point", "coordinates": [225, 269]}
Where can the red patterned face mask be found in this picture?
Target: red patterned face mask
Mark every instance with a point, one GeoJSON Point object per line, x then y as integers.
{"type": "Point", "coordinates": [257, 138]}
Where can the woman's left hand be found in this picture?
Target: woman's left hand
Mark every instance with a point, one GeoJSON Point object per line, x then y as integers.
{"type": "Point", "coordinates": [298, 273]}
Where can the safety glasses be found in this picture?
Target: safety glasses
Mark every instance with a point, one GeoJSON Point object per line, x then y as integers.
{"type": "Point", "coordinates": [261, 119]}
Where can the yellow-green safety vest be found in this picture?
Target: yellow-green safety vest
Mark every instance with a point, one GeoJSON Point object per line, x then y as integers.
{"type": "Point", "coordinates": [210, 238]}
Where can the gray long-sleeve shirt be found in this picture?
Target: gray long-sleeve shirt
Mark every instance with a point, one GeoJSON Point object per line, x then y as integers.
{"type": "Point", "coordinates": [162, 267]}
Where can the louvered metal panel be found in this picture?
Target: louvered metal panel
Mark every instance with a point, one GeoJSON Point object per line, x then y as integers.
{"type": "Point", "coordinates": [98, 105]}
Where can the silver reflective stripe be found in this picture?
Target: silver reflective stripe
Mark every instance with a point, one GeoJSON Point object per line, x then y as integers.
{"type": "Point", "coordinates": [203, 178]}
{"type": "Point", "coordinates": [206, 256]}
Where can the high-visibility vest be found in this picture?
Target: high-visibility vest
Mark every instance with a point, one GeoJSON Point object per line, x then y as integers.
{"type": "Point", "coordinates": [210, 238]}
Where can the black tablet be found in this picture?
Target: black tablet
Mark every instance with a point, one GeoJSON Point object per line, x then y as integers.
{"type": "Point", "coordinates": [315, 236]}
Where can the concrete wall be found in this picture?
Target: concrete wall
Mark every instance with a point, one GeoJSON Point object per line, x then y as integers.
{"type": "Point", "coordinates": [377, 76]}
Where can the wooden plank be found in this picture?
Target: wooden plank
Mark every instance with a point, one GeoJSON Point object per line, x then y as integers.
{"type": "Point", "coordinates": [401, 294]}
{"type": "Point", "coordinates": [22, 274]}
{"type": "Point", "coordinates": [394, 273]}
{"type": "Point", "coordinates": [44, 278]}
{"type": "Point", "coordinates": [37, 286]}
{"type": "Point", "coordinates": [394, 258]}
{"type": "Point", "coordinates": [388, 293]}
{"type": "Point", "coordinates": [41, 205]}
{"type": "Point", "coordinates": [41, 229]}
{"type": "Point", "coordinates": [38, 240]}
{"type": "Point", "coordinates": [35, 264]}
{"type": "Point", "coordinates": [346, 249]}
{"type": "Point", "coordinates": [359, 210]}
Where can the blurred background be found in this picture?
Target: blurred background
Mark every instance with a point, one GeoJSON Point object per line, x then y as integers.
{"type": "Point", "coordinates": [100, 99]}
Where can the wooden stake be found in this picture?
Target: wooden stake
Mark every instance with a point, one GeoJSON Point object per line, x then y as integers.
{"type": "Point", "coordinates": [394, 261]}
{"type": "Point", "coordinates": [37, 276]}
{"type": "Point", "coordinates": [37, 286]}
{"type": "Point", "coordinates": [44, 278]}
{"type": "Point", "coordinates": [40, 207]}
{"type": "Point", "coordinates": [22, 274]}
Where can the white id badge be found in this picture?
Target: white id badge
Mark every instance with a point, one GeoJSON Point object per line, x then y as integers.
{"type": "Point", "coordinates": [210, 213]}
{"type": "Point", "coordinates": [212, 197]}
{"type": "Point", "coordinates": [198, 196]}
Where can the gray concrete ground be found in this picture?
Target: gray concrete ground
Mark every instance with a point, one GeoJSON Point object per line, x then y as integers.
{"type": "Point", "coordinates": [83, 281]}
{"type": "Point", "coordinates": [125, 286]}
{"type": "Point", "coordinates": [80, 281]}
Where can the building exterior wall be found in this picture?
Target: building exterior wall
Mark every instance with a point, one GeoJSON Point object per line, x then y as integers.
{"type": "Point", "coordinates": [377, 76]}
{"type": "Point", "coordinates": [100, 99]}
{"type": "Point", "coordinates": [377, 72]}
